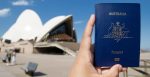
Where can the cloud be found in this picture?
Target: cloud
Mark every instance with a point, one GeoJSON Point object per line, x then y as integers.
{"type": "Point", "coordinates": [4, 12]}
{"type": "Point", "coordinates": [21, 3]}
{"type": "Point", "coordinates": [79, 22]}
{"type": "Point", "coordinates": [24, 2]}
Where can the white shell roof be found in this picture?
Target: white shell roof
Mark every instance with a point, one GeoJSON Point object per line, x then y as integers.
{"type": "Point", "coordinates": [29, 25]}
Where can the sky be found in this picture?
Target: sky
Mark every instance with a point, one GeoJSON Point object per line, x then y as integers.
{"type": "Point", "coordinates": [79, 9]}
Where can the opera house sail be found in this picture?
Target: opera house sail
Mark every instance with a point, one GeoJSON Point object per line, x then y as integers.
{"type": "Point", "coordinates": [29, 26]}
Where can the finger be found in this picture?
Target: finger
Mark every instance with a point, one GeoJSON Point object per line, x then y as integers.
{"type": "Point", "coordinates": [115, 70]}
{"type": "Point", "coordinates": [86, 39]}
{"type": "Point", "coordinates": [85, 46]}
{"type": "Point", "coordinates": [89, 27]}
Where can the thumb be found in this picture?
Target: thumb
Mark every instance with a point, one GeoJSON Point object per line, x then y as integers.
{"type": "Point", "coordinates": [115, 70]}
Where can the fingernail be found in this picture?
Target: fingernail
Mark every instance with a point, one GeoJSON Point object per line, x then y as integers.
{"type": "Point", "coordinates": [92, 15]}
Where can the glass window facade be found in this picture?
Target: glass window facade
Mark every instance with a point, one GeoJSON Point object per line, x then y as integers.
{"type": "Point", "coordinates": [59, 30]}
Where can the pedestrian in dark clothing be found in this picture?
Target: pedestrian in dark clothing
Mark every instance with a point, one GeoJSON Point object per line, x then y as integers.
{"type": "Point", "coordinates": [9, 53]}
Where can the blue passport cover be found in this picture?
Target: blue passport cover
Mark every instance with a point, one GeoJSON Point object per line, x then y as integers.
{"type": "Point", "coordinates": [117, 34]}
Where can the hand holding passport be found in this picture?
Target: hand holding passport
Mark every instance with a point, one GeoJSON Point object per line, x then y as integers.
{"type": "Point", "coordinates": [117, 41]}
{"type": "Point", "coordinates": [83, 65]}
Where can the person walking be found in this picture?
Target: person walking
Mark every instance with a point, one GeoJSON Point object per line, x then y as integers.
{"type": "Point", "coordinates": [13, 58]}
{"type": "Point", "coordinates": [9, 53]}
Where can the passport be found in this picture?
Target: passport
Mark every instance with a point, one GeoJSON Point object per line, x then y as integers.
{"type": "Point", "coordinates": [117, 34]}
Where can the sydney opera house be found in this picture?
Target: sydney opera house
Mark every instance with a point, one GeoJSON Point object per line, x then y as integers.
{"type": "Point", "coordinates": [29, 35]}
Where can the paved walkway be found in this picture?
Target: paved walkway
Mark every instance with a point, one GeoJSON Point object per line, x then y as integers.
{"type": "Point", "coordinates": [4, 73]}
{"type": "Point", "coordinates": [48, 65]}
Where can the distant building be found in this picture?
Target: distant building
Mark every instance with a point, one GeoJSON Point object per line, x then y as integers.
{"type": "Point", "coordinates": [56, 36]}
